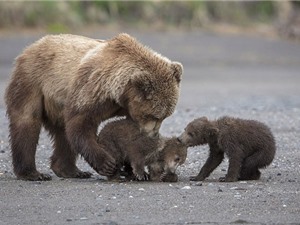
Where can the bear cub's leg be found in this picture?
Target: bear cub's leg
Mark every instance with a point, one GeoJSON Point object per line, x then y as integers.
{"type": "Point", "coordinates": [138, 169]}
{"type": "Point", "coordinates": [213, 161]}
{"type": "Point", "coordinates": [251, 165]}
{"type": "Point", "coordinates": [249, 174]}
{"type": "Point", "coordinates": [234, 168]}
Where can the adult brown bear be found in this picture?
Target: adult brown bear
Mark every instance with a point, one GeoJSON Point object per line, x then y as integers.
{"type": "Point", "coordinates": [70, 84]}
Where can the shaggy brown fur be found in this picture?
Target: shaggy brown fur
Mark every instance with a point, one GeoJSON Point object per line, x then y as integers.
{"type": "Point", "coordinates": [70, 84]}
{"type": "Point", "coordinates": [135, 150]}
{"type": "Point", "coordinates": [249, 145]}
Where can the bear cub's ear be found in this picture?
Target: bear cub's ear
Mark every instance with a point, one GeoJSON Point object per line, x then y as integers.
{"type": "Point", "coordinates": [203, 118]}
{"type": "Point", "coordinates": [213, 131]}
{"type": "Point", "coordinates": [178, 69]}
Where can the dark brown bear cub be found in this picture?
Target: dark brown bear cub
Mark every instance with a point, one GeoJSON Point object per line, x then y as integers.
{"type": "Point", "coordinates": [249, 145]}
{"type": "Point", "coordinates": [133, 150]}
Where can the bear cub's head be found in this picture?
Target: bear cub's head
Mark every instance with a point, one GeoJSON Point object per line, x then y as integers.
{"type": "Point", "coordinates": [198, 132]}
{"type": "Point", "coordinates": [170, 157]}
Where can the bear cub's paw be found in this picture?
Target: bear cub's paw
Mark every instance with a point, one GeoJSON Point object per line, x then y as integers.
{"type": "Point", "coordinates": [227, 179]}
{"type": "Point", "coordinates": [196, 178]}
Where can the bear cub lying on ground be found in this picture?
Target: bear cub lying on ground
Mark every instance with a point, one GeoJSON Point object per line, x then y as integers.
{"type": "Point", "coordinates": [249, 145]}
{"type": "Point", "coordinates": [133, 150]}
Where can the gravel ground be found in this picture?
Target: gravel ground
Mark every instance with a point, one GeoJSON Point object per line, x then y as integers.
{"type": "Point", "coordinates": [251, 78]}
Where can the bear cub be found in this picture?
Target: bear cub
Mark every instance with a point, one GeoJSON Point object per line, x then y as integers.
{"type": "Point", "coordinates": [133, 150]}
{"type": "Point", "coordinates": [249, 145]}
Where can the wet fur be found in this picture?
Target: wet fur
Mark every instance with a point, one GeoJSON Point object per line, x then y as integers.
{"type": "Point", "coordinates": [249, 145]}
{"type": "Point", "coordinates": [70, 84]}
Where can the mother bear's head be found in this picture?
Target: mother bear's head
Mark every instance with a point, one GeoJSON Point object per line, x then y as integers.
{"type": "Point", "coordinates": [143, 82]}
{"type": "Point", "coordinates": [152, 90]}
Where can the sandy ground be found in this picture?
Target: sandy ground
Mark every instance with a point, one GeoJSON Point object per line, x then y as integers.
{"type": "Point", "coordinates": [247, 77]}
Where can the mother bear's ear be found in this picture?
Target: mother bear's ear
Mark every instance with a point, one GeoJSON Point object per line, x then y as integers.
{"type": "Point", "coordinates": [178, 69]}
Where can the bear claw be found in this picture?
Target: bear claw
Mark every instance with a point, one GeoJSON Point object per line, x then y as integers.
{"type": "Point", "coordinates": [196, 178]}
{"type": "Point", "coordinates": [83, 175]}
{"type": "Point", "coordinates": [38, 177]}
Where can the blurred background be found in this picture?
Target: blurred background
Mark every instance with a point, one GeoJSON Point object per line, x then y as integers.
{"type": "Point", "coordinates": [223, 45]}
{"type": "Point", "coordinates": [271, 18]}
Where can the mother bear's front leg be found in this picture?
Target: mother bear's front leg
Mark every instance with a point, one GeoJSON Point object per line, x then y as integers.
{"type": "Point", "coordinates": [81, 131]}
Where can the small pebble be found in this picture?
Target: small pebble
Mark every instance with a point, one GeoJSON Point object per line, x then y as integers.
{"type": "Point", "coordinates": [186, 188]}
{"type": "Point", "coordinates": [198, 184]}
{"type": "Point", "coordinates": [83, 218]}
